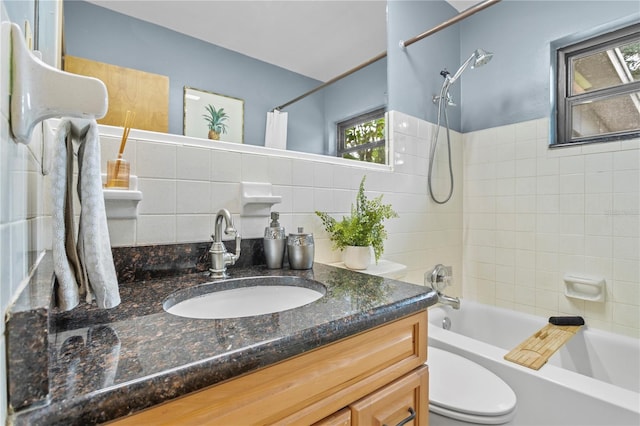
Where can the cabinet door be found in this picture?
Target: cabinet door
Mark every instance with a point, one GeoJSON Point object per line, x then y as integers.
{"type": "Point", "coordinates": [404, 401]}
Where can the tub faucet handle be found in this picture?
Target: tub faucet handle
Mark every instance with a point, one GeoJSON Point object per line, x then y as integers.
{"type": "Point", "coordinates": [447, 280]}
{"type": "Point", "coordinates": [439, 277]}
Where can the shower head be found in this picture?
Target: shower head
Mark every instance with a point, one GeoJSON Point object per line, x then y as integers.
{"type": "Point", "coordinates": [481, 57]}
{"type": "Point", "coordinates": [477, 59]}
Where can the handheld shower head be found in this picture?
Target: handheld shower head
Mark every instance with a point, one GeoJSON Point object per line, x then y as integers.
{"type": "Point", "coordinates": [477, 59]}
{"type": "Point", "coordinates": [481, 57]}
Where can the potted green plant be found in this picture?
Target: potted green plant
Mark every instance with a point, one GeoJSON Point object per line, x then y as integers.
{"type": "Point", "coordinates": [215, 119]}
{"type": "Point", "coordinates": [355, 234]}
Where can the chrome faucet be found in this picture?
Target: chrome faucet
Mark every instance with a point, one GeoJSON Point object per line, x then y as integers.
{"type": "Point", "coordinates": [440, 278]}
{"type": "Point", "coordinates": [220, 258]}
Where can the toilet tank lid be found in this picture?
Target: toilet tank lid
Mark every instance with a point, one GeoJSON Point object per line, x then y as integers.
{"type": "Point", "coordinates": [461, 385]}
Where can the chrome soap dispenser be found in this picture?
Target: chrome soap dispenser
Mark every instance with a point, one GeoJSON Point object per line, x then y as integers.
{"type": "Point", "coordinates": [274, 242]}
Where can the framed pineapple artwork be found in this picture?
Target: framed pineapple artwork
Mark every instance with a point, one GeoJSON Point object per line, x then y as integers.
{"type": "Point", "coordinates": [213, 116]}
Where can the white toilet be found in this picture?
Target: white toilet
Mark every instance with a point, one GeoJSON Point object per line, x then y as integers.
{"type": "Point", "coordinates": [462, 392]}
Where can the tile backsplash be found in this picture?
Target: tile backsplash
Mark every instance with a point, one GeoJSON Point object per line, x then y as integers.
{"type": "Point", "coordinates": [185, 181]}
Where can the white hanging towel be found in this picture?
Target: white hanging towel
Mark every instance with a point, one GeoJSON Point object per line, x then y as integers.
{"type": "Point", "coordinates": [276, 131]}
{"type": "Point", "coordinates": [84, 268]}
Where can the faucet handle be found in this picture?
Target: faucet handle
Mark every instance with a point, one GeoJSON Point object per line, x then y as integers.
{"type": "Point", "coordinates": [439, 277]}
{"type": "Point", "coordinates": [436, 274]}
{"type": "Point", "coordinates": [231, 258]}
{"type": "Point", "coordinates": [446, 280]}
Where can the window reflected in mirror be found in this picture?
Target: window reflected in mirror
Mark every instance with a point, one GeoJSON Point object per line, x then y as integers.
{"type": "Point", "coordinates": [362, 138]}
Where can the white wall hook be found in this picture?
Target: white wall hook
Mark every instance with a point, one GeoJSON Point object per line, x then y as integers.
{"type": "Point", "coordinates": [40, 91]}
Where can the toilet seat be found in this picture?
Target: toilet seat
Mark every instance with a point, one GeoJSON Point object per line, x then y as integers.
{"type": "Point", "coordinates": [463, 390]}
{"type": "Point", "coordinates": [468, 418]}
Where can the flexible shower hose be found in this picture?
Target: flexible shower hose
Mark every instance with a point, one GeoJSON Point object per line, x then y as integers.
{"type": "Point", "coordinates": [442, 110]}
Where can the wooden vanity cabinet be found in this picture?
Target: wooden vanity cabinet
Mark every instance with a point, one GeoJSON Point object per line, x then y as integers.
{"type": "Point", "coordinates": [341, 418]}
{"type": "Point", "coordinates": [403, 402]}
{"type": "Point", "coordinates": [368, 379]}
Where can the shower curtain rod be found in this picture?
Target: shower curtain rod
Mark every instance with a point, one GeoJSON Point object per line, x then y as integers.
{"type": "Point", "coordinates": [333, 80]}
{"type": "Point", "coordinates": [462, 15]}
{"type": "Point", "coordinates": [459, 17]}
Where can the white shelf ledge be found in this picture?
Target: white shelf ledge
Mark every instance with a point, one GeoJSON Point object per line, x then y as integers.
{"type": "Point", "coordinates": [122, 203]}
{"type": "Point", "coordinates": [257, 199]}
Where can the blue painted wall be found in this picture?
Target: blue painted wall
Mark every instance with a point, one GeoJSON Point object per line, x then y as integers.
{"type": "Point", "coordinates": [102, 35]}
{"type": "Point", "coordinates": [361, 92]}
{"type": "Point", "coordinates": [515, 85]}
{"type": "Point", "coordinates": [414, 73]}
{"type": "Point", "coordinates": [191, 62]}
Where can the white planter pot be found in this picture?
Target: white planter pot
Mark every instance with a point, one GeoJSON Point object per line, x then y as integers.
{"type": "Point", "coordinates": [357, 257]}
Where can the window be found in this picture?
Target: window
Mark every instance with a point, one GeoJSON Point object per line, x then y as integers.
{"type": "Point", "coordinates": [363, 138]}
{"type": "Point", "coordinates": [598, 88]}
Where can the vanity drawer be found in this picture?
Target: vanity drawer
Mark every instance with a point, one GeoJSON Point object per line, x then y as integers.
{"type": "Point", "coordinates": [306, 388]}
{"type": "Point", "coordinates": [405, 401]}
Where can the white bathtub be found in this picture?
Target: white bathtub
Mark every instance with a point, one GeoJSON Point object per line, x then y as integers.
{"type": "Point", "coordinates": [593, 380]}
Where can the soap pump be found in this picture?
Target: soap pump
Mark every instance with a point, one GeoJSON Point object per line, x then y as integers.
{"type": "Point", "coordinates": [274, 242]}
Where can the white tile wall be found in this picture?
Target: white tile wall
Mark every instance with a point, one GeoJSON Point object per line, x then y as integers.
{"type": "Point", "coordinates": [23, 229]}
{"type": "Point", "coordinates": [577, 210]}
{"type": "Point", "coordinates": [184, 185]}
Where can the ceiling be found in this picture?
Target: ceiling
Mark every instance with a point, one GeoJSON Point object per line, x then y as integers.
{"type": "Point", "coordinates": [296, 35]}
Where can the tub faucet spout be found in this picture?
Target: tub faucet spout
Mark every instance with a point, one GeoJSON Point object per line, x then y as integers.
{"type": "Point", "coordinates": [220, 258]}
{"type": "Point", "coordinates": [454, 302]}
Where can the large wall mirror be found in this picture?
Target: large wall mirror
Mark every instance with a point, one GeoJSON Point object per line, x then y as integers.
{"type": "Point", "coordinates": [265, 53]}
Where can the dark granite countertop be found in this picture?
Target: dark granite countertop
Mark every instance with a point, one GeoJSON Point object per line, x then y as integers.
{"type": "Point", "coordinates": [104, 364]}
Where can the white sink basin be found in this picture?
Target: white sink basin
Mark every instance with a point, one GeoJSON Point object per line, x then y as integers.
{"type": "Point", "coordinates": [244, 297]}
